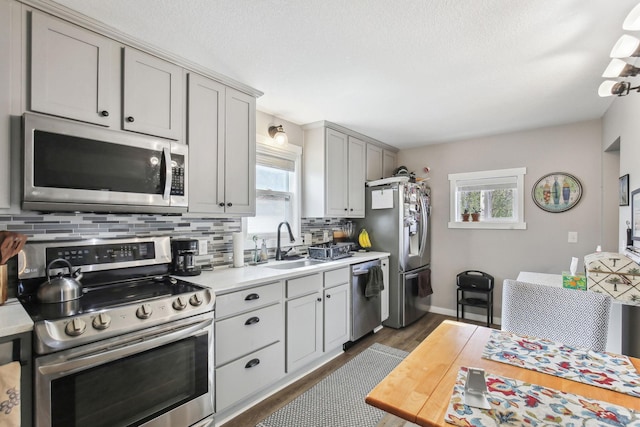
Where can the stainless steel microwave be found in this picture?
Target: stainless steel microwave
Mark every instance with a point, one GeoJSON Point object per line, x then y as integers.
{"type": "Point", "coordinates": [72, 166]}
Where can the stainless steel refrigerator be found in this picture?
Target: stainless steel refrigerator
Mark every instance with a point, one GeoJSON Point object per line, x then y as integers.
{"type": "Point", "coordinates": [397, 218]}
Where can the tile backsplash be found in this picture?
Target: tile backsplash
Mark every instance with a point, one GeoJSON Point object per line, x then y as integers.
{"type": "Point", "coordinates": [217, 231]}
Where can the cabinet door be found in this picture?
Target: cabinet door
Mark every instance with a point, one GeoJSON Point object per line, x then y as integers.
{"type": "Point", "coordinates": [357, 153]}
{"type": "Point", "coordinates": [70, 71]}
{"type": "Point", "coordinates": [240, 154]}
{"type": "Point", "coordinates": [384, 295]}
{"type": "Point", "coordinates": [153, 93]}
{"type": "Point", "coordinates": [206, 144]}
{"type": "Point", "coordinates": [374, 162]}
{"type": "Point", "coordinates": [304, 330]}
{"type": "Point", "coordinates": [336, 316]}
{"type": "Point", "coordinates": [389, 160]}
{"type": "Point", "coordinates": [7, 89]}
{"type": "Point", "coordinates": [336, 189]}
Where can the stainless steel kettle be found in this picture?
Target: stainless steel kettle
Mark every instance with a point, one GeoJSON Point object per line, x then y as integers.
{"type": "Point", "coordinates": [61, 288]}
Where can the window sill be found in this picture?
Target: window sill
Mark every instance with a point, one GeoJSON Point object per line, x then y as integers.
{"type": "Point", "coordinates": [489, 225]}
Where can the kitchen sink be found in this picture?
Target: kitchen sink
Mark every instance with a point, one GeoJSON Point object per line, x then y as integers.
{"type": "Point", "coordinates": [284, 265]}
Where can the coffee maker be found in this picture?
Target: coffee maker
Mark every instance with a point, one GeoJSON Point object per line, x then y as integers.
{"type": "Point", "coordinates": [184, 253]}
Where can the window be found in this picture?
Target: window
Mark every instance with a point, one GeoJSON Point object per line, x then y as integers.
{"type": "Point", "coordinates": [487, 199]}
{"type": "Point", "coordinates": [277, 193]}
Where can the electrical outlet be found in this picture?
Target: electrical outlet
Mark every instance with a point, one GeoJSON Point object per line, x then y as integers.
{"type": "Point", "coordinates": [307, 239]}
{"type": "Point", "coordinates": [325, 236]}
{"type": "Point", "coordinates": [202, 247]}
{"type": "Point", "coordinates": [573, 237]}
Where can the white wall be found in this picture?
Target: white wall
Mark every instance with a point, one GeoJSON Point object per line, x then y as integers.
{"type": "Point", "coordinates": [543, 246]}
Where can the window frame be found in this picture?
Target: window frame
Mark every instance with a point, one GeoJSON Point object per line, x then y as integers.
{"type": "Point", "coordinates": [291, 152]}
{"type": "Point", "coordinates": [456, 222]}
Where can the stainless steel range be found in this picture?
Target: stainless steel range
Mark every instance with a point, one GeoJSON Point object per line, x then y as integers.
{"type": "Point", "coordinates": [134, 349]}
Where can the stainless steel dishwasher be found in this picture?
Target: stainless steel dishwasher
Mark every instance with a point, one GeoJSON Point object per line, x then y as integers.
{"type": "Point", "coordinates": [365, 312]}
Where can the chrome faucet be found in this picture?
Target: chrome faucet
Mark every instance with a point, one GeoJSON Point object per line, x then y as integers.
{"type": "Point", "coordinates": [279, 254]}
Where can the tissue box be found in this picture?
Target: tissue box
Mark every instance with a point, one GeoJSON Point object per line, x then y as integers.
{"type": "Point", "coordinates": [579, 281]}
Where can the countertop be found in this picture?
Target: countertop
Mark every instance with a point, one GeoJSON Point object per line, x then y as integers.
{"type": "Point", "coordinates": [13, 318]}
{"type": "Point", "coordinates": [222, 280]}
{"type": "Point", "coordinates": [229, 279]}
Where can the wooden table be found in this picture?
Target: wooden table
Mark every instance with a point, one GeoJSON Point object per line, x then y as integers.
{"type": "Point", "coordinates": [420, 387]}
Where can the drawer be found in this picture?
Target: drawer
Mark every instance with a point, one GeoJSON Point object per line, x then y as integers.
{"type": "Point", "coordinates": [242, 334]}
{"type": "Point", "coordinates": [304, 285]}
{"type": "Point", "coordinates": [249, 299]}
{"type": "Point", "coordinates": [336, 277]}
{"type": "Point", "coordinates": [245, 376]}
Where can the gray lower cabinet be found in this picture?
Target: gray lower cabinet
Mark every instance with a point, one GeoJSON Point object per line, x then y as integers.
{"type": "Point", "coordinates": [337, 321]}
{"type": "Point", "coordinates": [304, 320]}
{"type": "Point", "coordinates": [249, 342]}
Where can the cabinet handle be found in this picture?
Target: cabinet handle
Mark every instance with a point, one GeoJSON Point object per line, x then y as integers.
{"type": "Point", "coordinates": [251, 297]}
{"type": "Point", "coordinates": [346, 209]}
{"type": "Point", "coordinates": [251, 363]}
{"type": "Point", "coordinates": [328, 296]}
{"type": "Point", "coordinates": [130, 119]}
{"type": "Point", "coordinates": [104, 113]}
{"type": "Point", "coordinates": [252, 320]}
{"type": "Point", "coordinates": [319, 299]}
{"type": "Point", "coordinates": [351, 209]}
{"type": "Point", "coordinates": [221, 204]}
{"type": "Point", "coordinates": [229, 204]}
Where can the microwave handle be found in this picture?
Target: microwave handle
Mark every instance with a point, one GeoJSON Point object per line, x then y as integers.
{"type": "Point", "coordinates": [166, 153]}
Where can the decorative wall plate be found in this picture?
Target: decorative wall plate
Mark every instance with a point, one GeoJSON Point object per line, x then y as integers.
{"type": "Point", "coordinates": [557, 192]}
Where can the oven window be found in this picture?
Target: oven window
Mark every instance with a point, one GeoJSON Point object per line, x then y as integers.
{"type": "Point", "coordinates": [62, 161]}
{"type": "Point", "coordinates": [133, 390]}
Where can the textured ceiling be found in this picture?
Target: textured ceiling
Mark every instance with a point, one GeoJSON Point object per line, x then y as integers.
{"type": "Point", "coordinates": [406, 72]}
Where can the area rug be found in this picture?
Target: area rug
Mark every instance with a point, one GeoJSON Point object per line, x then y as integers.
{"type": "Point", "coordinates": [338, 400]}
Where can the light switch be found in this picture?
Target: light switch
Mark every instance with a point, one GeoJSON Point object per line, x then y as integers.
{"type": "Point", "coordinates": [573, 237]}
{"type": "Point", "coordinates": [202, 247]}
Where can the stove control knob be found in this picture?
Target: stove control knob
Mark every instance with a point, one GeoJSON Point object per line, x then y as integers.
{"type": "Point", "coordinates": [76, 327]}
{"type": "Point", "coordinates": [195, 300]}
{"type": "Point", "coordinates": [180, 303]}
{"type": "Point", "coordinates": [101, 321]}
{"type": "Point", "coordinates": [144, 311]}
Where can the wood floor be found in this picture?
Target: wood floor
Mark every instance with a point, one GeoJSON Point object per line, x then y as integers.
{"type": "Point", "coordinates": [404, 339]}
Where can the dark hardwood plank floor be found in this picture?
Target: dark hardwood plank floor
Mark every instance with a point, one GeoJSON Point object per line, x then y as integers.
{"type": "Point", "coordinates": [405, 339]}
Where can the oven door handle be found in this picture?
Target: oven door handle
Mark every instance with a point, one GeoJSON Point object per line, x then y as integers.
{"type": "Point", "coordinates": [126, 348]}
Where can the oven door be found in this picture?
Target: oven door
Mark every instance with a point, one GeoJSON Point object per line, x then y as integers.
{"type": "Point", "coordinates": [162, 376]}
{"type": "Point", "coordinates": [75, 166]}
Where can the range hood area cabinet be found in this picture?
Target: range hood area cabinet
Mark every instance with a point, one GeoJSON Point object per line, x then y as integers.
{"type": "Point", "coordinates": [334, 174]}
{"type": "Point", "coordinates": [221, 127]}
{"type": "Point", "coordinates": [152, 89]}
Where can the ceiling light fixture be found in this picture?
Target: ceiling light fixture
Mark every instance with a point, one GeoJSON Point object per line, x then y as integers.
{"type": "Point", "coordinates": [620, 68]}
{"type": "Point", "coordinates": [632, 22]}
{"type": "Point", "coordinates": [611, 87]}
{"type": "Point", "coordinates": [626, 47]}
{"type": "Point", "coordinates": [278, 135]}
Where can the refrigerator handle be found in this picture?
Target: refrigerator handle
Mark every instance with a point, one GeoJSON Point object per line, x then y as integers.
{"type": "Point", "coordinates": [423, 225]}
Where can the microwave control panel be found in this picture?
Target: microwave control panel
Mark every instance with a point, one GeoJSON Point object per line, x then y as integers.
{"type": "Point", "coordinates": [177, 180]}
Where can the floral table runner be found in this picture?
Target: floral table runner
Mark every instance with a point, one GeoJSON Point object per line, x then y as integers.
{"type": "Point", "coordinates": [606, 370]}
{"type": "Point", "coordinates": [516, 403]}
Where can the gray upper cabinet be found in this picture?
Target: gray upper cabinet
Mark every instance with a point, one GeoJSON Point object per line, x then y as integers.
{"type": "Point", "coordinates": [75, 73]}
{"type": "Point", "coordinates": [152, 95]}
{"type": "Point", "coordinates": [70, 71]}
{"type": "Point", "coordinates": [334, 174]}
{"type": "Point", "coordinates": [222, 148]}
{"type": "Point", "coordinates": [374, 162]}
{"type": "Point", "coordinates": [389, 160]}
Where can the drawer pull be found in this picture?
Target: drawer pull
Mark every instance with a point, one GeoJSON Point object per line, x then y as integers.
{"type": "Point", "coordinates": [251, 297]}
{"type": "Point", "coordinates": [252, 320]}
{"type": "Point", "coordinates": [251, 363]}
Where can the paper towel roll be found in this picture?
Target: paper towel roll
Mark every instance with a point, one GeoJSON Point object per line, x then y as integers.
{"type": "Point", "coordinates": [238, 249]}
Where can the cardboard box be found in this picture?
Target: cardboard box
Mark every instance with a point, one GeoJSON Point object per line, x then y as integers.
{"type": "Point", "coordinates": [579, 281]}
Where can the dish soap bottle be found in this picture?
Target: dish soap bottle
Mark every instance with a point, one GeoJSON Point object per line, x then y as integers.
{"type": "Point", "coordinates": [263, 251]}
